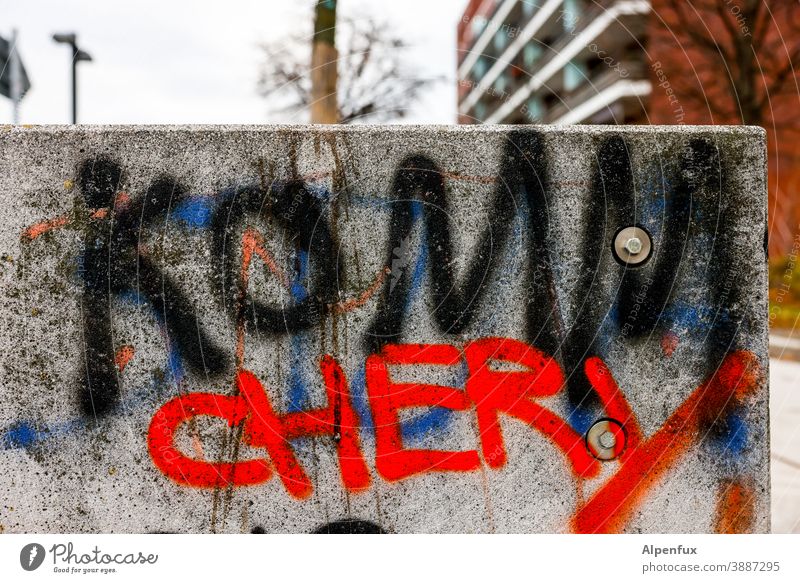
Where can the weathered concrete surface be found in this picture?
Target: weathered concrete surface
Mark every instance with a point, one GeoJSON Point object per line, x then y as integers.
{"type": "Point", "coordinates": [169, 296]}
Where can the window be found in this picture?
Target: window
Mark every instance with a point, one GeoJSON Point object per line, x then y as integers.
{"type": "Point", "coordinates": [574, 75]}
{"type": "Point", "coordinates": [478, 24]}
{"type": "Point", "coordinates": [571, 14]}
{"type": "Point", "coordinates": [480, 111]}
{"type": "Point", "coordinates": [530, 53]}
{"type": "Point", "coordinates": [529, 7]}
{"type": "Point", "coordinates": [534, 108]}
{"type": "Point", "coordinates": [501, 83]}
{"type": "Point", "coordinates": [500, 39]}
{"type": "Point", "coordinates": [481, 65]}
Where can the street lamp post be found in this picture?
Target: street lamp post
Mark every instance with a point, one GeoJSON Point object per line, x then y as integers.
{"type": "Point", "coordinates": [71, 39]}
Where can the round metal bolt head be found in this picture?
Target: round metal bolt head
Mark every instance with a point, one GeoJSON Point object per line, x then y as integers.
{"type": "Point", "coordinates": [606, 439]}
{"type": "Point", "coordinates": [632, 246]}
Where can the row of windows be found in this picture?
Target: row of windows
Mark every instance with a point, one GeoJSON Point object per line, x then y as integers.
{"type": "Point", "coordinates": [531, 53]}
{"type": "Point", "coordinates": [527, 9]}
{"type": "Point", "coordinates": [575, 74]}
{"type": "Point", "coordinates": [575, 71]}
{"type": "Point", "coordinates": [569, 15]}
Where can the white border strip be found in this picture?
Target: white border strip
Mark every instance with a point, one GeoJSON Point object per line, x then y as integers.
{"type": "Point", "coordinates": [705, 558]}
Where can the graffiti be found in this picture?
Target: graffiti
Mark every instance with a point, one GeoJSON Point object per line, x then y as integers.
{"type": "Point", "coordinates": [114, 263]}
{"type": "Point", "coordinates": [263, 428]}
{"type": "Point", "coordinates": [350, 527]}
{"type": "Point", "coordinates": [346, 526]}
{"type": "Point", "coordinates": [645, 461]}
{"type": "Point", "coordinates": [295, 209]}
{"type": "Point", "coordinates": [550, 375]}
{"type": "Point", "coordinates": [489, 392]}
{"type": "Point", "coordinates": [735, 507]}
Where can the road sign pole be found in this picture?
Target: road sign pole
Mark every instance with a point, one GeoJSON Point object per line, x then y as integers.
{"type": "Point", "coordinates": [15, 76]}
{"type": "Point", "coordinates": [74, 84]}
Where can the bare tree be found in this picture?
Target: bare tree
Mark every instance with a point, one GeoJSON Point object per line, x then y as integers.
{"type": "Point", "coordinates": [742, 55]}
{"type": "Point", "coordinates": [732, 62]}
{"type": "Point", "coordinates": [374, 84]}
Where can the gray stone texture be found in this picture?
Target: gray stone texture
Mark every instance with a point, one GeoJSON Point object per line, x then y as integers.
{"type": "Point", "coordinates": [524, 221]}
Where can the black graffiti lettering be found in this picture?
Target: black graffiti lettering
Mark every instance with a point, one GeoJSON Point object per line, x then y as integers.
{"type": "Point", "coordinates": [608, 297]}
{"type": "Point", "coordinates": [527, 169]}
{"type": "Point", "coordinates": [350, 526]}
{"type": "Point", "coordinates": [113, 265]}
{"type": "Point", "coordinates": [611, 206]}
{"type": "Point", "coordinates": [420, 180]}
{"type": "Point", "coordinates": [294, 208]}
{"type": "Point", "coordinates": [698, 172]}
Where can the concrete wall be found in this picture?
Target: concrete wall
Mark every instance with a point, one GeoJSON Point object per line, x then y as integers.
{"type": "Point", "coordinates": [400, 329]}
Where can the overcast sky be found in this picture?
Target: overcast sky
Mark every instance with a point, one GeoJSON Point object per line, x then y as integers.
{"type": "Point", "coordinates": [181, 61]}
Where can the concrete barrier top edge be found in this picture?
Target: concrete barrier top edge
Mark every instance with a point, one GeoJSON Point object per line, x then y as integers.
{"type": "Point", "coordinates": [315, 128]}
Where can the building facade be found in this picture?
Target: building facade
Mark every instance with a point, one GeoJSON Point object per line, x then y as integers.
{"type": "Point", "coordinates": [553, 61]}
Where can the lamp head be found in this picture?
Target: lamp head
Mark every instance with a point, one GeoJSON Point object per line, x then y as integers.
{"type": "Point", "coordinates": [67, 38]}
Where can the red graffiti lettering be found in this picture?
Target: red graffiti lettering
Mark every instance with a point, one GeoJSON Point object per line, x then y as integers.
{"type": "Point", "coordinates": [386, 398]}
{"type": "Point", "coordinates": [263, 428]}
{"type": "Point", "coordinates": [192, 472]}
{"type": "Point", "coordinates": [266, 429]}
{"type": "Point", "coordinates": [505, 377]}
{"type": "Point", "coordinates": [736, 507]}
{"type": "Point", "coordinates": [511, 392]}
{"type": "Point", "coordinates": [644, 464]}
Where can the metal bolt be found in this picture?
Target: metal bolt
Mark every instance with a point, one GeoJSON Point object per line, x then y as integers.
{"type": "Point", "coordinates": [633, 245]}
{"type": "Point", "coordinates": [605, 439]}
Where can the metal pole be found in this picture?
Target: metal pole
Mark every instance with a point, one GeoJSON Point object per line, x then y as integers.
{"type": "Point", "coordinates": [71, 39]}
{"type": "Point", "coordinates": [74, 83]}
{"type": "Point", "coordinates": [15, 75]}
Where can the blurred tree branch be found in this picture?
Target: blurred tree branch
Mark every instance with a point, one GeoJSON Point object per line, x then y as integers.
{"type": "Point", "coordinates": [373, 83]}
{"type": "Point", "coordinates": [747, 47]}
